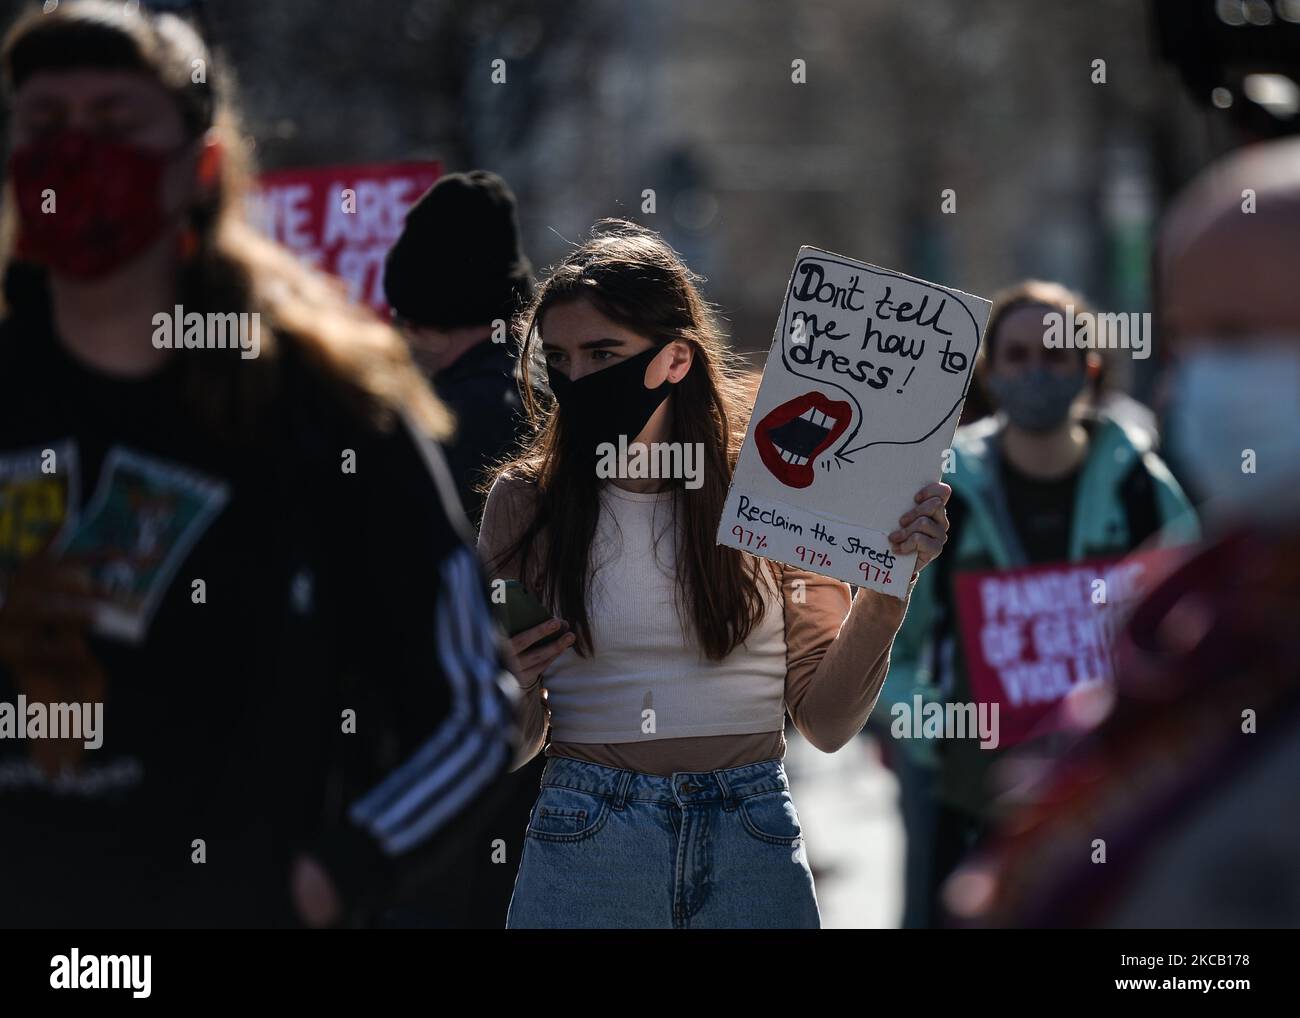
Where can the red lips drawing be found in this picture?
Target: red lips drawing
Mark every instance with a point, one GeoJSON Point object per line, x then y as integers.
{"type": "Point", "coordinates": [794, 434]}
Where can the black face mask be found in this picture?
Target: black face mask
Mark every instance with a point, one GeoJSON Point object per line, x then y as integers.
{"type": "Point", "coordinates": [603, 405]}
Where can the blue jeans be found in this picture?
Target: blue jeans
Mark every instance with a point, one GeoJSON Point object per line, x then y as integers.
{"type": "Point", "coordinates": [609, 848]}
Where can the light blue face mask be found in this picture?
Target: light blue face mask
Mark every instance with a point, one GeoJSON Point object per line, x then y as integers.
{"type": "Point", "coordinates": [1234, 420]}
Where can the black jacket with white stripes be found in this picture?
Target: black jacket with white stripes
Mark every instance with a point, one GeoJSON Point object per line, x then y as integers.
{"type": "Point", "coordinates": [338, 692]}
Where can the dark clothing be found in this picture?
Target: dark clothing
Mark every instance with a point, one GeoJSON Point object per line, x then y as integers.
{"type": "Point", "coordinates": [481, 390]}
{"type": "Point", "coordinates": [1041, 511]}
{"type": "Point", "coordinates": [953, 833]}
{"type": "Point", "coordinates": [479, 896]}
{"type": "Point", "coordinates": [329, 594]}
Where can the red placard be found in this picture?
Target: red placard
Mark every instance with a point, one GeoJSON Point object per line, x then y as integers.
{"type": "Point", "coordinates": [343, 219]}
{"type": "Point", "coordinates": [1033, 635]}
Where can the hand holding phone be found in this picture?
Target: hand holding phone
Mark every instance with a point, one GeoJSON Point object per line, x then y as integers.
{"type": "Point", "coordinates": [536, 639]}
{"type": "Point", "coordinates": [521, 611]}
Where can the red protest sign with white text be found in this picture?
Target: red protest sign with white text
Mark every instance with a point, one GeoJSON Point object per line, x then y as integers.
{"type": "Point", "coordinates": [343, 219]}
{"type": "Point", "coordinates": [1032, 635]}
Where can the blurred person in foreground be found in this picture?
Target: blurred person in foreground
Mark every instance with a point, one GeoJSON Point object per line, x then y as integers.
{"type": "Point", "coordinates": [1182, 773]}
{"type": "Point", "coordinates": [455, 280]}
{"type": "Point", "coordinates": [1048, 479]}
{"type": "Point", "coordinates": [308, 700]}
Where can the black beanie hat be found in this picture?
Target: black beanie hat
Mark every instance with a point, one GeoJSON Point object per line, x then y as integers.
{"type": "Point", "coordinates": [458, 261]}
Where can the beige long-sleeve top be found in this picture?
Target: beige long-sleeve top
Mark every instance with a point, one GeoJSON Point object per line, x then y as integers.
{"type": "Point", "coordinates": [835, 657]}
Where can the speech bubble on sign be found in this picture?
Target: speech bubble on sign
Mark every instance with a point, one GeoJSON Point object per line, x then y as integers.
{"type": "Point", "coordinates": [900, 350]}
{"type": "Point", "coordinates": [861, 393]}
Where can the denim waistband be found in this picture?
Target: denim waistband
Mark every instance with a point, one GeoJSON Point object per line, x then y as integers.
{"type": "Point", "coordinates": [681, 788]}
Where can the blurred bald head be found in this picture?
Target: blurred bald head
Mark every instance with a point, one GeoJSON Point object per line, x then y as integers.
{"type": "Point", "coordinates": [1225, 272]}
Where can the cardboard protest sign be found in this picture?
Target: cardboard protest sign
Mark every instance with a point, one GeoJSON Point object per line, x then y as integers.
{"type": "Point", "coordinates": [343, 219]}
{"type": "Point", "coordinates": [861, 393]}
{"type": "Point", "coordinates": [1031, 636]}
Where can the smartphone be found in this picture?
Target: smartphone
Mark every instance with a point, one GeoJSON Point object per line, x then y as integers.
{"type": "Point", "coordinates": [523, 611]}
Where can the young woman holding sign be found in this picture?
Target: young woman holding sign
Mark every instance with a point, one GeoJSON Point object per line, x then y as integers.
{"type": "Point", "coordinates": [664, 802]}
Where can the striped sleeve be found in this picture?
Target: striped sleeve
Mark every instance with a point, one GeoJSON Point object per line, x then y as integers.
{"type": "Point", "coordinates": [473, 744]}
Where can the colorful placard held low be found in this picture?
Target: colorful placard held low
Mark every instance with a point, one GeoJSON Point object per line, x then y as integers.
{"type": "Point", "coordinates": [1034, 635]}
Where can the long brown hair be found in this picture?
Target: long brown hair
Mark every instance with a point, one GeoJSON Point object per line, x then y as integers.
{"type": "Point", "coordinates": [631, 276]}
{"type": "Point", "coordinates": [232, 266]}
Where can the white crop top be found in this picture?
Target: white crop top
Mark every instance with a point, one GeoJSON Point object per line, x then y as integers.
{"type": "Point", "coordinates": [647, 678]}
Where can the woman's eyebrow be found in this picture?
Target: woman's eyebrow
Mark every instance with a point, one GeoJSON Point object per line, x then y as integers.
{"type": "Point", "coordinates": [603, 343]}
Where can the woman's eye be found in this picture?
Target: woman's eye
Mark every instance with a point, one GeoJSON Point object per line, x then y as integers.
{"type": "Point", "coordinates": [553, 356]}
{"type": "Point", "coordinates": [601, 355]}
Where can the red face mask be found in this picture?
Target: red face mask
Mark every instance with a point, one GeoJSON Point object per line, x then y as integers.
{"type": "Point", "coordinates": [106, 205]}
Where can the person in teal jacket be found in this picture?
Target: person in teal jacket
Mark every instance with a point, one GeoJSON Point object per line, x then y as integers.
{"type": "Point", "coordinates": [1049, 478]}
